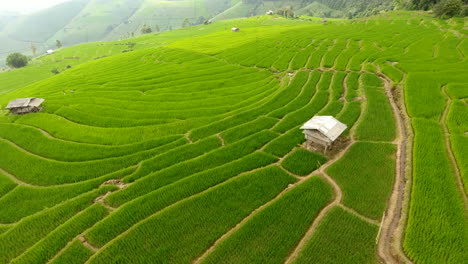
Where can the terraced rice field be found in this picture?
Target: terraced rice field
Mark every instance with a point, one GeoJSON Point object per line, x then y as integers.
{"type": "Point", "coordinates": [188, 149]}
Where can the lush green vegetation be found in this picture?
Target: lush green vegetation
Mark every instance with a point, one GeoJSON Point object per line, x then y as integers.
{"type": "Point", "coordinates": [76, 253]}
{"type": "Point", "coordinates": [282, 224]}
{"type": "Point", "coordinates": [366, 164]}
{"type": "Point", "coordinates": [302, 162]}
{"type": "Point", "coordinates": [356, 240]}
{"type": "Point", "coordinates": [201, 126]}
{"type": "Point", "coordinates": [446, 216]}
{"type": "Point", "coordinates": [196, 219]}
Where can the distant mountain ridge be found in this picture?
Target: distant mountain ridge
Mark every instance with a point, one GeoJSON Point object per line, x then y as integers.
{"type": "Point", "coordinates": [79, 21]}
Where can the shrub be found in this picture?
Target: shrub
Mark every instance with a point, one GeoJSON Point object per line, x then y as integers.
{"type": "Point", "coordinates": [448, 8]}
{"type": "Point", "coordinates": [55, 71]}
{"type": "Point", "coordinates": [17, 60]}
{"type": "Point", "coordinates": [146, 29]}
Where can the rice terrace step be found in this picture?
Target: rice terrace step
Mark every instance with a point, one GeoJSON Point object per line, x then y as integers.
{"type": "Point", "coordinates": [251, 133]}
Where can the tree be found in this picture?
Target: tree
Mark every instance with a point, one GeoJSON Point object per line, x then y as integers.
{"type": "Point", "coordinates": [156, 28]}
{"type": "Point", "coordinates": [17, 60]}
{"type": "Point", "coordinates": [146, 29]}
{"type": "Point", "coordinates": [58, 43]}
{"type": "Point", "coordinates": [286, 12]}
{"type": "Point", "coordinates": [55, 71]}
{"type": "Point", "coordinates": [186, 23]}
{"type": "Point", "coordinates": [131, 45]}
{"type": "Point", "coordinates": [448, 8]}
{"type": "Point", "coordinates": [33, 49]}
{"type": "Point", "coordinates": [201, 20]}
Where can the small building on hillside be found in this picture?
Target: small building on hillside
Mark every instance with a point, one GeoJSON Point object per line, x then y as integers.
{"type": "Point", "coordinates": [235, 29]}
{"type": "Point", "coordinates": [323, 131]}
{"type": "Point", "coordinates": [270, 12]}
{"type": "Point", "coordinates": [50, 51]}
{"type": "Point", "coordinates": [25, 105]}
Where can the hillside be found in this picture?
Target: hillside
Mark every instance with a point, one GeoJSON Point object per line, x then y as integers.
{"type": "Point", "coordinates": [79, 21]}
{"type": "Point", "coordinates": [187, 148]}
{"type": "Point", "coordinates": [19, 32]}
{"type": "Point", "coordinates": [320, 8]}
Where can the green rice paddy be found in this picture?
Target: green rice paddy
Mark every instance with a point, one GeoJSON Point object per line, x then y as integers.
{"type": "Point", "coordinates": [199, 130]}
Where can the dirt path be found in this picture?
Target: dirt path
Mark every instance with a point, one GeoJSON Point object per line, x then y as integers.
{"type": "Point", "coordinates": [46, 134]}
{"type": "Point", "coordinates": [240, 224]}
{"type": "Point", "coordinates": [299, 181]}
{"type": "Point", "coordinates": [171, 206]}
{"type": "Point", "coordinates": [13, 144]}
{"type": "Point", "coordinates": [221, 139]}
{"type": "Point", "coordinates": [188, 138]}
{"type": "Point", "coordinates": [362, 217]}
{"type": "Point", "coordinates": [448, 146]}
{"type": "Point", "coordinates": [85, 242]}
{"type": "Point", "coordinates": [61, 251]}
{"type": "Point", "coordinates": [345, 89]}
{"type": "Point", "coordinates": [387, 252]}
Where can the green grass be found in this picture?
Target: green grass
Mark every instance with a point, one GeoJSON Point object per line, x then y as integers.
{"type": "Point", "coordinates": [6, 185]}
{"type": "Point", "coordinates": [56, 240]}
{"type": "Point", "coordinates": [30, 200]}
{"type": "Point", "coordinates": [181, 170]}
{"type": "Point", "coordinates": [366, 164]}
{"type": "Point", "coordinates": [157, 118]}
{"type": "Point", "coordinates": [378, 123]}
{"type": "Point", "coordinates": [197, 219]}
{"type": "Point", "coordinates": [76, 253]}
{"type": "Point", "coordinates": [302, 162]}
{"type": "Point", "coordinates": [32, 229]}
{"type": "Point", "coordinates": [271, 234]}
{"type": "Point", "coordinates": [356, 240]}
{"type": "Point", "coordinates": [437, 221]}
{"type": "Point", "coordinates": [136, 210]}
{"type": "Point", "coordinates": [283, 144]}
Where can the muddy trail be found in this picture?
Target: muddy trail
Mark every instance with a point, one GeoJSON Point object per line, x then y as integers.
{"type": "Point", "coordinates": [389, 245]}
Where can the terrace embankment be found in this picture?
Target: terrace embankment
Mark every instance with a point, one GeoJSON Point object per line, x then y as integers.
{"type": "Point", "coordinates": [389, 248]}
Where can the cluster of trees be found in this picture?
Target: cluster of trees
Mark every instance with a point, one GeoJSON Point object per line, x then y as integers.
{"type": "Point", "coordinates": [286, 12]}
{"type": "Point", "coordinates": [441, 8]}
{"type": "Point", "coordinates": [146, 29]}
{"type": "Point", "coordinates": [17, 60]}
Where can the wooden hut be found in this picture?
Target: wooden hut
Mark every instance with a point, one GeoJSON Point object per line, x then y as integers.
{"type": "Point", "coordinates": [25, 105]}
{"type": "Point", "coordinates": [323, 130]}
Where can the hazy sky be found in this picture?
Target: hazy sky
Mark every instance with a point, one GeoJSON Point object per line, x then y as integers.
{"type": "Point", "coordinates": [27, 5]}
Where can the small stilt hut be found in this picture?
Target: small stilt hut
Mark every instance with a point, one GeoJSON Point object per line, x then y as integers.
{"type": "Point", "coordinates": [25, 105]}
{"type": "Point", "coordinates": [323, 130]}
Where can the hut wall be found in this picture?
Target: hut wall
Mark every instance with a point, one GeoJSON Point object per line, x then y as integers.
{"type": "Point", "coordinates": [316, 137]}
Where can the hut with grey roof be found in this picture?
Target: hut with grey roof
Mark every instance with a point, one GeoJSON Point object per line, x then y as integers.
{"type": "Point", "coordinates": [323, 131]}
{"type": "Point", "coordinates": [25, 105]}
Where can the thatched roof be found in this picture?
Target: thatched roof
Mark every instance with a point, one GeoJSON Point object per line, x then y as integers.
{"type": "Point", "coordinates": [25, 102]}
{"type": "Point", "coordinates": [326, 125]}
